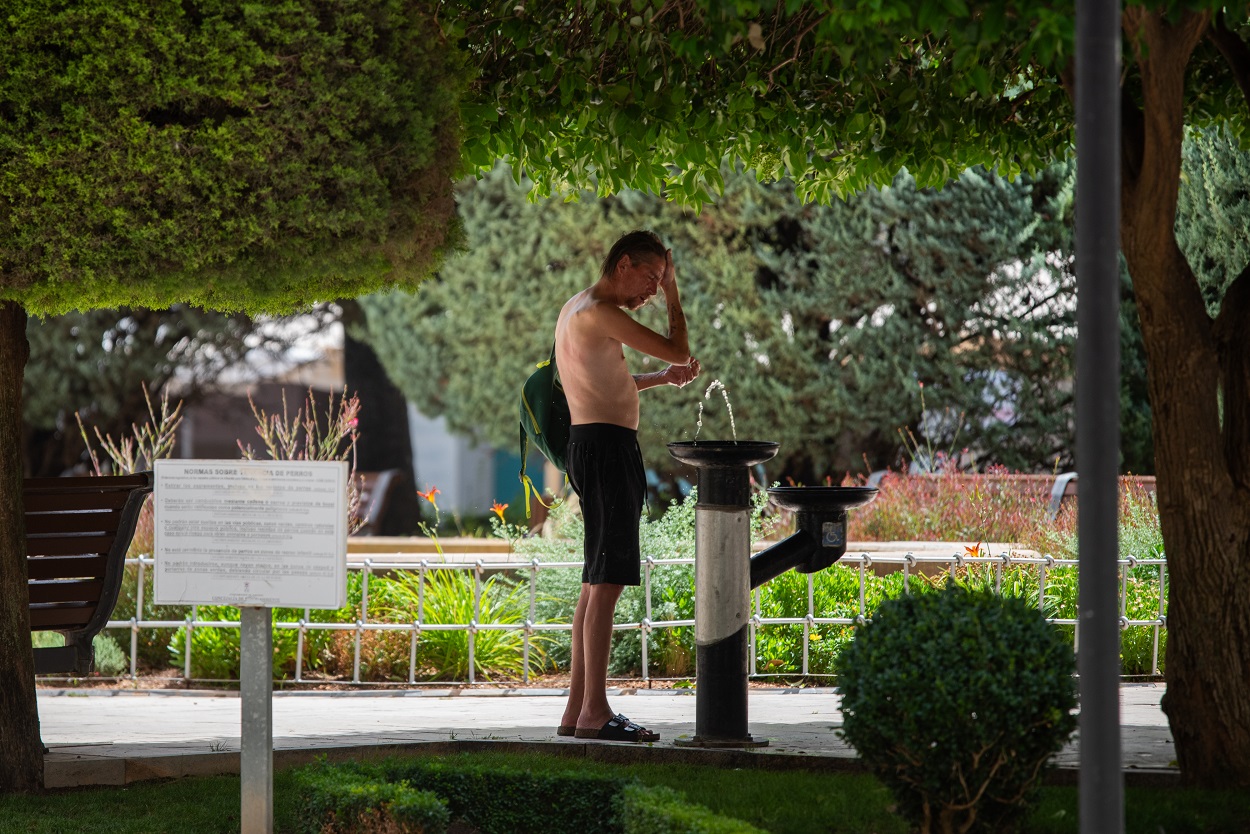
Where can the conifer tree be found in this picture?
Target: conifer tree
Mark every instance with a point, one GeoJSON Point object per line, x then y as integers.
{"type": "Point", "coordinates": [821, 322]}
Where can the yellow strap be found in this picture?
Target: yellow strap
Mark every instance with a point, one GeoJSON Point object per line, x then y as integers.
{"type": "Point", "coordinates": [529, 486]}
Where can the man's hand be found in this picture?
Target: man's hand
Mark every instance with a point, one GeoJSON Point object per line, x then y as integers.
{"type": "Point", "coordinates": [680, 375]}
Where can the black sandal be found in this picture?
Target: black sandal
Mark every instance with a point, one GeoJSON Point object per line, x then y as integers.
{"type": "Point", "coordinates": [619, 728]}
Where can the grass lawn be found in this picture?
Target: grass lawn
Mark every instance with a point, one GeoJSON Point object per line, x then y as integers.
{"type": "Point", "coordinates": [790, 802]}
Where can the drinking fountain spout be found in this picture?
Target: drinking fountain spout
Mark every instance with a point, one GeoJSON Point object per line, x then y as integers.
{"type": "Point", "coordinates": [819, 539]}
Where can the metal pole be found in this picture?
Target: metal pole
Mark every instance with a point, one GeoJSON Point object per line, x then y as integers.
{"type": "Point", "coordinates": [1101, 802]}
{"type": "Point", "coordinates": [256, 715]}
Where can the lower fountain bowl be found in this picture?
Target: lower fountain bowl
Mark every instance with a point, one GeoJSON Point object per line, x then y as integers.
{"type": "Point", "coordinates": [821, 499]}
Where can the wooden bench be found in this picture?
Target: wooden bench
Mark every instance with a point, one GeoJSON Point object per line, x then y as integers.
{"type": "Point", "coordinates": [388, 504]}
{"type": "Point", "coordinates": [77, 533]}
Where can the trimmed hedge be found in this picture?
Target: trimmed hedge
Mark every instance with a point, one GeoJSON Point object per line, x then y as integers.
{"type": "Point", "coordinates": [956, 700]}
{"type": "Point", "coordinates": [347, 801]}
{"type": "Point", "coordinates": [421, 796]}
{"type": "Point", "coordinates": [651, 809]}
{"type": "Point", "coordinates": [507, 801]}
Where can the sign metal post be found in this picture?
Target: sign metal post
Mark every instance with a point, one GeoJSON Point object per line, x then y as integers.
{"type": "Point", "coordinates": [257, 535]}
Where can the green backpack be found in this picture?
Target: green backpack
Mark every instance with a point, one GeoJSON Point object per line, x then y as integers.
{"type": "Point", "coordinates": [544, 422]}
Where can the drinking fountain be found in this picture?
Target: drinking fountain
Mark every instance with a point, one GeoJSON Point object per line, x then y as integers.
{"type": "Point", "coordinates": [726, 572]}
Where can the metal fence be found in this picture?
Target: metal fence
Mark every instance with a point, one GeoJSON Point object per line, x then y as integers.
{"type": "Point", "coordinates": [910, 563]}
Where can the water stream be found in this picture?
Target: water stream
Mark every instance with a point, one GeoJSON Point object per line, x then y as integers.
{"type": "Point", "coordinates": [716, 383]}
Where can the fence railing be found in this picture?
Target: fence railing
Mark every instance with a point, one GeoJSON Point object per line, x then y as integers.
{"type": "Point", "coordinates": [911, 564]}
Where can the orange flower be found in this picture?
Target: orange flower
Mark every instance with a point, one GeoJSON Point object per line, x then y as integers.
{"type": "Point", "coordinates": [429, 496]}
{"type": "Point", "coordinates": [498, 509]}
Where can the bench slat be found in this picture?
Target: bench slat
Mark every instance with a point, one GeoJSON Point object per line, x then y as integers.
{"type": "Point", "coordinates": [60, 502]}
{"type": "Point", "coordinates": [58, 617]}
{"type": "Point", "coordinates": [66, 591]}
{"type": "Point", "coordinates": [90, 483]}
{"type": "Point", "coordinates": [68, 545]}
{"type": "Point", "coordinates": [102, 522]}
{"type": "Point", "coordinates": [66, 567]}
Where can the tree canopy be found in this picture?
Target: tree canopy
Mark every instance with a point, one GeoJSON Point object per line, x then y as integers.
{"type": "Point", "coordinates": [836, 96]}
{"type": "Point", "coordinates": [233, 156]}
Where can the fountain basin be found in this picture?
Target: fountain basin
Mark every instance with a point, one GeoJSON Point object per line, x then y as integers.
{"type": "Point", "coordinates": [821, 499]}
{"type": "Point", "coordinates": [723, 453]}
{"type": "Point", "coordinates": [819, 539]}
{"type": "Point", "coordinates": [724, 467]}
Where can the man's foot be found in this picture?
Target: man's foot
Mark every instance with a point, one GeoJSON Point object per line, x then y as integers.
{"type": "Point", "coordinates": [619, 728]}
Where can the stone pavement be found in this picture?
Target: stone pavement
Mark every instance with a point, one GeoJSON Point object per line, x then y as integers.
{"type": "Point", "coordinates": [113, 737]}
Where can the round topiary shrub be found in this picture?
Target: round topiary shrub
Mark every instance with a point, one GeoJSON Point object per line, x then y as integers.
{"type": "Point", "coordinates": [956, 700]}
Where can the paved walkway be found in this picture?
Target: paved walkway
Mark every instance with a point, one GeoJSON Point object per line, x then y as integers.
{"type": "Point", "coordinates": [113, 737]}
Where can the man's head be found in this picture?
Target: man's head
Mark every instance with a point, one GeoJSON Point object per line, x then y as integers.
{"type": "Point", "coordinates": [635, 264]}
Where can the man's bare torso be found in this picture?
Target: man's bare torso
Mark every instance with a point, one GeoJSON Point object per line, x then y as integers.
{"type": "Point", "coordinates": [599, 386]}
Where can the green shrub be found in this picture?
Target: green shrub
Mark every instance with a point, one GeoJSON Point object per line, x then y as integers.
{"type": "Point", "coordinates": [495, 799]}
{"type": "Point", "coordinates": [152, 643]}
{"type": "Point", "coordinates": [215, 651]}
{"type": "Point", "coordinates": [956, 700]}
{"type": "Point", "coordinates": [448, 598]}
{"type": "Point", "coordinates": [110, 660]}
{"type": "Point", "coordinates": [652, 809]}
{"type": "Point", "coordinates": [498, 800]}
{"type": "Point", "coordinates": [346, 800]}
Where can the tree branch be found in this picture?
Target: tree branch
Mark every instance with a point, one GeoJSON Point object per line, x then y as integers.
{"type": "Point", "coordinates": [1235, 52]}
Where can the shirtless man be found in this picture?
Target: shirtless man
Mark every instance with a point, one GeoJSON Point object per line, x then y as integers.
{"type": "Point", "coordinates": [605, 463]}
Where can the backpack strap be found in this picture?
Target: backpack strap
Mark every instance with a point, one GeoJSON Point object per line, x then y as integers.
{"type": "Point", "coordinates": [527, 484]}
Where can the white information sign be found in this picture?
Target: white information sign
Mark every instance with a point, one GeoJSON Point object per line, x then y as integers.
{"type": "Point", "coordinates": [271, 534]}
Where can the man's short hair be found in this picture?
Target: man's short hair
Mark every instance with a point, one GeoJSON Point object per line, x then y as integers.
{"type": "Point", "coordinates": [634, 244]}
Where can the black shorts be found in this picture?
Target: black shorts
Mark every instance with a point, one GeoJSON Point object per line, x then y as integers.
{"type": "Point", "coordinates": [605, 469]}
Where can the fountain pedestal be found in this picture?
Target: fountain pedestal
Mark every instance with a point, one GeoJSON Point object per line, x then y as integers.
{"type": "Point", "coordinates": [722, 581]}
{"type": "Point", "coordinates": [725, 572]}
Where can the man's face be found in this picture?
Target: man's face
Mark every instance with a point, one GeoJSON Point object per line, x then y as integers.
{"type": "Point", "coordinates": [639, 279]}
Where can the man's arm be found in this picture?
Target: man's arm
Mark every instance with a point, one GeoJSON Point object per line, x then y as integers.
{"type": "Point", "coordinates": [676, 316]}
{"type": "Point", "coordinates": [678, 375]}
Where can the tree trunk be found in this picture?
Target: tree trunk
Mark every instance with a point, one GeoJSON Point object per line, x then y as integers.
{"type": "Point", "coordinates": [384, 441]}
{"type": "Point", "coordinates": [21, 750]}
{"type": "Point", "coordinates": [1203, 479]}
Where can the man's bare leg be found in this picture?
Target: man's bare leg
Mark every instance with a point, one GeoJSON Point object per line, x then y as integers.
{"type": "Point", "coordinates": [577, 669]}
{"type": "Point", "coordinates": [592, 642]}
